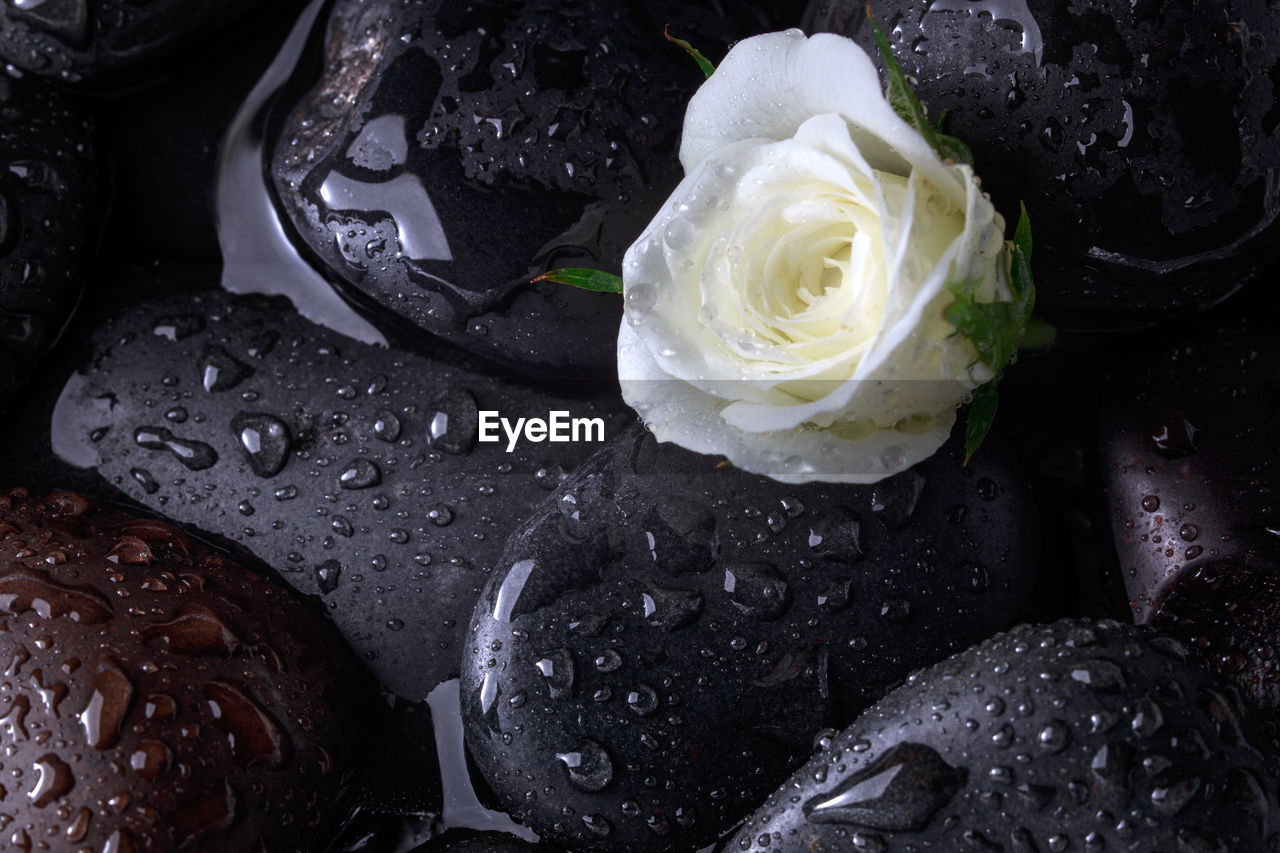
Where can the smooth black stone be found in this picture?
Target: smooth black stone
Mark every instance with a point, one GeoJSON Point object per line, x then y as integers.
{"type": "Point", "coordinates": [452, 151]}
{"type": "Point", "coordinates": [1189, 451]}
{"type": "Point", "coordinates": [398, 537]}
{"type": "Point", "coordinates": [1078, 735]}
{"type": "Point", "coordinates": [666, 636]}
{"type": "Point", "coordinates": [1143, 141]}
{"type": "Point", "coordinates": [94, 41]}
{"type": "Point", "coordinates": [48, 216]}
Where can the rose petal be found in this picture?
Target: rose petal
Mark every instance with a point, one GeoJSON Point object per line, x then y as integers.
{"type": "Point", "coordinates": [770, 84]}
{"type": "Point", "coordinates": [679, 412]}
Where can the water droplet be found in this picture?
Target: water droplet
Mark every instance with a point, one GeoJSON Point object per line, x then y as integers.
{"type": "Point", "coordinates": [757, 589]}
{"type": "Point", "coordinates": [196, 630]}
{"type": "Point", "coordinates": [23, 589]}
{"type": "Point", "coordinates": [895, 500]}
{"type": "Point", "coordinates": [608, 661]}
{"type": "Point", "coordinates": [143, 478]}
{"type": "Point", "coordinates": [327, 575]}
{"type": "Point", "coordinates": [386, 426]}
{"type": "Point", "coordinates": [642, 699]}
{"type": "Point", "coordinates": [1170, 433]}
{"type": "Point", "coordinates": [441, 515]}
{"type": "Point", "coordinates": [108, 704]}
{"type": "Point", "coordinates": [220, 371]}
{"type": "Point", "coordinates": [255, 737]}
{"type": "Point", "coordinates": [1054, 737]}
{"type": "Point", "coordinates": [1148, 719]}
{"type": "Point", "coordinates": [558, 670]}
{"type": "Point", "coordinates": [195, 455]}
{"type": "Point", "coordinates": [837, 536]}
{"type": "Point", "coordinates": [897, 792]}
{"type": "Point", "coordinates": [671, 609]}
{"type": "Point", "coordinates": [588, 766]}
{"type": "Point", "coordinates": [455, 423]}
{"type": "Point", "coordinates": [150, 759]}
{"type": "Point", "coordinates": [1100, 674]}
{"type": "Point", "coordinates": [360, 474]}
{"type": "Point", "coordinates": [54, 780]}
{"type": "Point", "coordinates": [179, 326]}
{"type": "Point", "coordinates": [265, 440]}
{"type": "Point", "coordinates": [897, 610]}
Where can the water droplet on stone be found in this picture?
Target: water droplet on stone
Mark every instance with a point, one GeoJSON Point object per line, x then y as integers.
{"type": "Point", "coordinates": [897, 792]}
{"type": "Point", "coordinates": [220, 371]}
{"type": "Point", "coordinates": [360, 474]}
{"type": "Point", "coordinates": [757, 589]}
{"type": "Point", "coordinates": [455, 423]}
{"type": "Point", "coordinates": [588, 766]}
{"type": "Point", "coordinates": [195, 455]}
{"type": "Point", "coordinates": [327, 575]}
{"type": "Point", "coordinates": [265, 440]}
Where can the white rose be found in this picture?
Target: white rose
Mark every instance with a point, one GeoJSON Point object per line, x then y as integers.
{"type": "Point", "coordinates": [786, 307]}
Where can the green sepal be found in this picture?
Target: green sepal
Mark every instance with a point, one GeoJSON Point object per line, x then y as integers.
{"type": "Point", "coordinates": [705, 64]}
{"type": "Point", "coordinates": [982, 414]}
{"type": "Point", "coordinates": [996, 329]}
{"type": "Point", "coordinates": [908, 106]}
{"type": "Point", "coordinates": [597, 280]}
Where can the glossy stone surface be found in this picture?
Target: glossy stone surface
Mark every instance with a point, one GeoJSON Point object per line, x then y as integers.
{"type": "Point", "coordinates": [1141, 135]}
{"type": "Point", "coordinates": [157, 696]}
{"type": "Point", "coordinates": [666, 636]}
{"type": "Point", "coordinates": [1189, 449]}
{"type": "Point", "coordinates": [48, 212]}
{"type": "Point", "coordinates": [92, 41]}
{"type": "Point", "coordinates": [450, 152]}
{"type": "Point", "coordinates": [1073, 736]}
{"type": "Point", "coordinates": [353, 470]}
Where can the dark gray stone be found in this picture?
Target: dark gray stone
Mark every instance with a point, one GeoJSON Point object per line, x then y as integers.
{"type": "Point", "coordinates": [1073, 736]}
{"type": "Point", "coordinates": [397, 536]}
{"type": "Point", "coordinates": [92, 41]}
{"type": "Point", "coordinates": [1141, 135]}
{"type": "Point", "coordinates": [666, 636]}
{"type": "Point", "coordinates": [451, 151]}
{"type": "Point", "coordinates": [48, 215]}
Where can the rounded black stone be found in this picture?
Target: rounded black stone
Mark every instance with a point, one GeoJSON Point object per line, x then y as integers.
{"type": "Point", "coordinates": [396, 534]}
{"type": "Point", "coordinates": [665, 637]}
{"type": "Point", "coordinates": [48, 212]}
{"type": "Point", "coordinates": [89, 41]}
{"type": "Point", "coordinates": [1188, 447]}
{"type": "Point", "coordinates": [1142, 137]}
{"type": "Point", "coordinates": [452, 151]}
{"type": "Point", "coordinates": [1078, 735]}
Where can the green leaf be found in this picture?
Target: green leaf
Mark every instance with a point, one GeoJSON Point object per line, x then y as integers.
{"type": "Point", "coordinates": [597, 280]}
{"type": "Point", "coordinates": [705, 64]}
{"type": "Point", "coordinates": [996, 329]}
{"type": "Point", "coordinates": [982, 414]}
{"type": "Point", "coordinates": [908, 106]}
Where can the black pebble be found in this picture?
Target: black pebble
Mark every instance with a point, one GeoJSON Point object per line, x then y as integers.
{"type": "Point", "coordinates": [666, 637]}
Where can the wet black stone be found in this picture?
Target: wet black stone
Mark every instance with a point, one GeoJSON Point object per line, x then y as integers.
{"type": "Point", "coordinates": [1141, 135]}
{"type": "Point", "coordinates": [48, 213]}
{"type": "Point", "coordinates": [1000, 745]}
{"type": "Point", "coordinates": [339, 511]}
{"type": "Point", "coordinates": [703, 662]}
{"type": "Point", "coordinates": [1190, 458]}
{"type": "Point", "coordinates": [452, 151]}
{"type": "Point", "coordinates": [91, 41]}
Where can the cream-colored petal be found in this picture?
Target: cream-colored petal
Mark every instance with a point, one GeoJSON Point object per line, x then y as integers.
{"type": "Point", "coordinates": [769, 85]}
